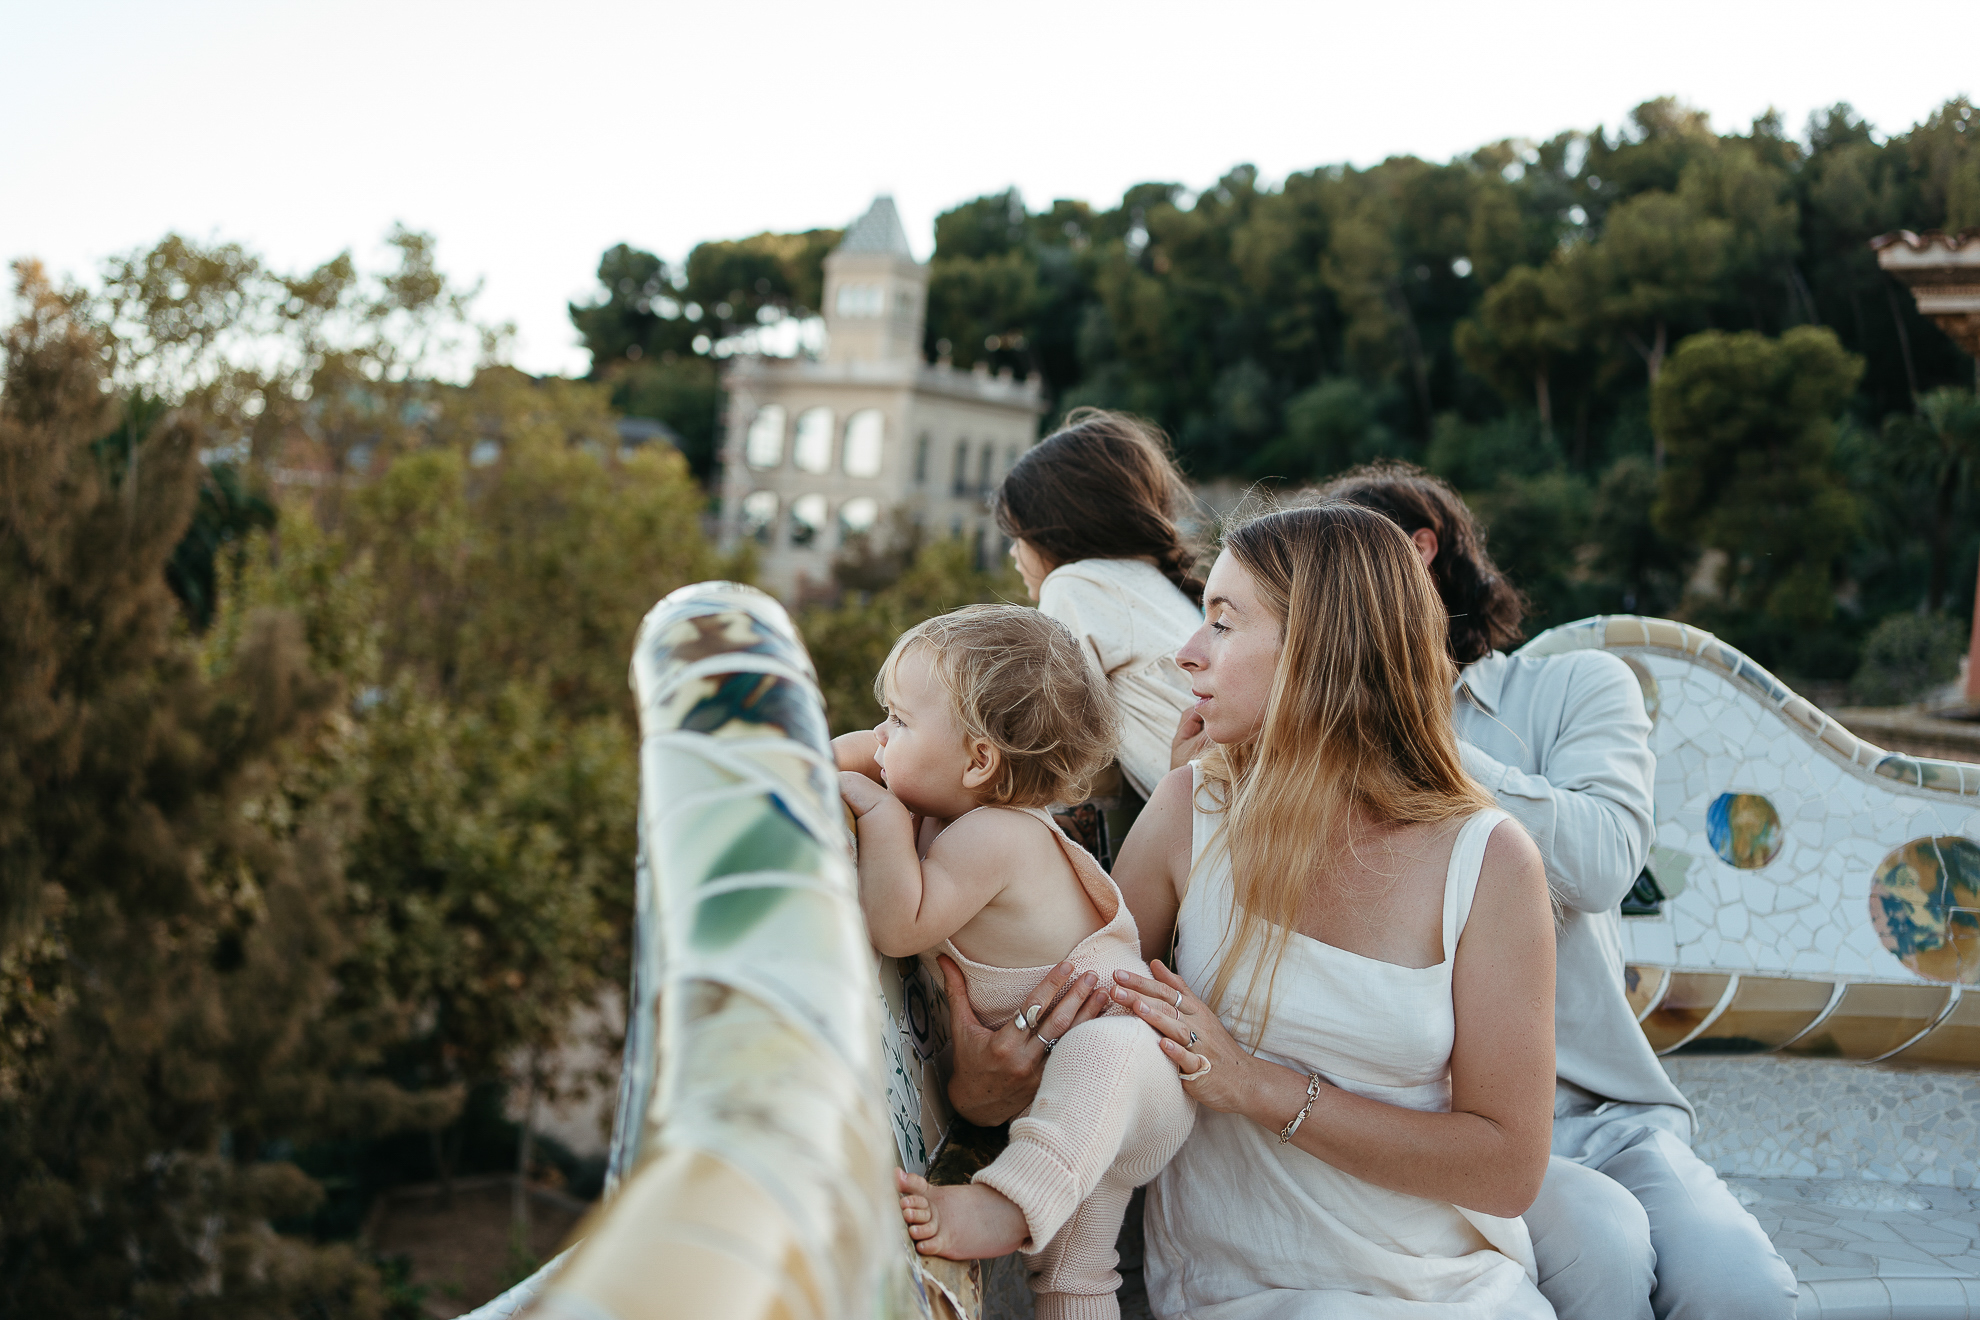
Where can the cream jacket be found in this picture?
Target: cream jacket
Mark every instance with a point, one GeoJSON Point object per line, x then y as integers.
{"type": "Point", "coordinates": [1130, 621]}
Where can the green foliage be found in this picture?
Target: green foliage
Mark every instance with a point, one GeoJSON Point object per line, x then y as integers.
{"type": "Point", "coordinates": [1535, 526]}
{"type": "Point", "coordinates": [892, 588]}
{"type": "Point", "coordinates": [1906, 656]}
{"type": "Point", "coordinates": [484, 614]}
{"type": "Point", "coordinates": [1930, 457]}
{"type": "Point", "coordinates": [741, 279]}
{"type": "Point", "coordinates": [1334, 425]}
{"type": "Point", "coordinates": [1439, 311]}
{"type": "Point", "coordinates": [278, 889]}
{"type": "Point", "coordinates": [175, 921]}
{"type": "Point", "coordinates": [1748, 424]}
{"type": "Point", "coordinates": [1472, 456]}
{"type": "Point", "coordinates": [641, 315]}
{"type": "Point", "coordinates": [683, 392]}
{"type": "Point", "coordinates": [1520, 332]}
{"type": "Point", "coordinates": [1644, 569]}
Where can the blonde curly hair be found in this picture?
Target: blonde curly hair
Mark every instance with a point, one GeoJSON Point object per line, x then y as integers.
{"type": "Point", "coordinates": [1017, 680]}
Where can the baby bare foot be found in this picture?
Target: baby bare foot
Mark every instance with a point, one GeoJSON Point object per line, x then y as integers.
{"type": "Point", "coordinates": [971, 1222]}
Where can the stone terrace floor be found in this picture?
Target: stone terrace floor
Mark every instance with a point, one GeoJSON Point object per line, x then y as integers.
{"type": "Point", "coordinates": [1873, 1251]}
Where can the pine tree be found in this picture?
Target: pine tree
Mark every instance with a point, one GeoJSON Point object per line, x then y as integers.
{"type": "Point", "coordinates": [169, 927]}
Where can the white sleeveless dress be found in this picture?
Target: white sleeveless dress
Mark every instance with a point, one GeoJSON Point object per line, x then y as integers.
{"type": "Point", "coordinates": [1240, 1227]}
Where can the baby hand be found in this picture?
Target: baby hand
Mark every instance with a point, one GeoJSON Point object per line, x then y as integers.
{"type": "Point", "coordinates": [861, 793]}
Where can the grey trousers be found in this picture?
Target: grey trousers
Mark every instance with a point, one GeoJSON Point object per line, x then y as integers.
{"type": "Point", "coordinates": [1630, 1225]}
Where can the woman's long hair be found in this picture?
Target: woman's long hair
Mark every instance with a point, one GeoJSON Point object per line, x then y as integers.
{"type": "Point", "coordinates": [1101, 487]}
{"type": "Point", "coordinates": [1359, 716]}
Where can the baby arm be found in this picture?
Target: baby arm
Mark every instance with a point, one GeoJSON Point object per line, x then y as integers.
{"type": "Point", "coordinates": [855, 752]}
{"type": "Point", "coordinates": [910, 904]}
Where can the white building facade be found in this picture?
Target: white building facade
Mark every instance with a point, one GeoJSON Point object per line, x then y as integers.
{"type": "Point", "coordinates": [817, 452]}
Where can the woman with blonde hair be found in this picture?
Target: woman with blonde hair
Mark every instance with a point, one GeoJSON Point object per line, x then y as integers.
{"type": "Point", "coordinates": [1362, 997]}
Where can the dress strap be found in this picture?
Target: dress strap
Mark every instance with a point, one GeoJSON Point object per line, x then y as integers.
{"type": "Point", "coordinates": [1461, 880]}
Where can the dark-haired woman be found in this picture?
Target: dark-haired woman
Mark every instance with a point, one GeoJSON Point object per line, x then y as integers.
{"type": "Point", "coordinates": [1092, 514]}
{"type": "Point", "coordinates": [1629, 1223]}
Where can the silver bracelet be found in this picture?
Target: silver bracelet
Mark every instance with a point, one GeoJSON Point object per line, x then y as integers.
{"type": "Point", "coordinates": [1312, 1094]}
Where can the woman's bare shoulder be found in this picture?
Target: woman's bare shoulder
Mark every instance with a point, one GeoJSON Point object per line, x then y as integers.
{"type": "Point", "coordinates": [1175, 788]}
{"type": "Point", "coordinates": [1512, 868]}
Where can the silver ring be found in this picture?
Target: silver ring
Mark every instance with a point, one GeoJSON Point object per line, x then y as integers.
{"type": "Point", "coordinates": [1027, 1019]}
{"type": "Point", "coordinates": [1204, 1071]}
{"type": "Point", "coordinates": [1192, 1041]}
{"type": "Point", "coordinates": [1048, 1044]}
{"type": "Point", "coordinates": [1178, 1001]}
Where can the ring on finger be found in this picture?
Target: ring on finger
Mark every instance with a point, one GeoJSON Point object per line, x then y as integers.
{"type": "Point", "coordinates": [1192, 1041]}
{"type": "Point", "coordinates": [1204, 1071]}
{"type": "Point", "coordinates": [1028, 1019]}
{"type": "Point", "coordinates": [1048, 1042]}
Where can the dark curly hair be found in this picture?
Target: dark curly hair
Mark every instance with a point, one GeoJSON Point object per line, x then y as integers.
{"type": "Point", "coordinates": [1101, 487]}
{"type": "Point", "coordinates": [1485, 610]}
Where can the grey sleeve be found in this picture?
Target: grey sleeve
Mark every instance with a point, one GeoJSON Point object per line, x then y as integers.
{"type": "Point", "coordinates": [1590, 809]}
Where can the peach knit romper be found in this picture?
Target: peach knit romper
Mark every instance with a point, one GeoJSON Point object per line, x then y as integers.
{"type": "Point", "coordinates": [1109, 1114]}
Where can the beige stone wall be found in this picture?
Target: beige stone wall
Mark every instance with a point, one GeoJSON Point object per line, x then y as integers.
{"type": "Point", "coordinates": [922, 407]}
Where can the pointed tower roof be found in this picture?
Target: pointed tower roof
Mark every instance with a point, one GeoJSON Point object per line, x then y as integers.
{"type": "Point", "coordinates": [878, 231]}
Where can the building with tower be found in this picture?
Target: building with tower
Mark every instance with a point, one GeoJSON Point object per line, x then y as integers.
{"type": "Point", "coordinates": [816, 451]}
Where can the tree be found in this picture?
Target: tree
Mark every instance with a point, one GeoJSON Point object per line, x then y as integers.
{"type": "Point", "coordinates": [1532, 521]}
{"type": "Point", "coordinates": [1937, 451]}
{"type": "Point", "coordinates": [1659, 260]}
{"type": "Point", "coordinates": [1748, 423]}
{"type": "Point", "coordinates": [1646, 567]}
{"type": "Point", "coordinates": [174, 926]}
{"type": "Point", "coordinates": [751, 281]}
{"type": "Point", "coordinates": [642, 315]}
{"type": "Point", "coordinates": [495, 764]}
{"type": "Point", "coordinates": [1516, 337]}
{"type": "Point", "coordinates": [1328, 428]}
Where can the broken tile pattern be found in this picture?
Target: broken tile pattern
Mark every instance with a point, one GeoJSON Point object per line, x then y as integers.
{"type": "Point", "coordinates": [1808, 909]}
{"type": "Point", "coordinates": [1854, 1230]}
{"type": "Point", "coordinates": [1774, 1117]}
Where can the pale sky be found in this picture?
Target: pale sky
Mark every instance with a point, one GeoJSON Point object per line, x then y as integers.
{"type": "Point", "coordinates": [530, 137]}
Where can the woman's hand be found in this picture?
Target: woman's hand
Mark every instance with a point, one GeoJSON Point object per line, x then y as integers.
{"type": "Point", "coordinates": [1189, 740]}
{"type": "Point", "coordinates": [997, 1072]}
{"type": "Point", "coordinates": [1192, 1037]}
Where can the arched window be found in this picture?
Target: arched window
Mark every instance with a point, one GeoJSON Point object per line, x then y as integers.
{"type": "Point", "coordinates": [859, 300]}
{"type": "Point", "coordinates": [764, 446]}
{"type": "Point", "coordinates": [865, 432]}
{"type": "Point", "coordinates": [857, 516]}
{"type": "Point", "coordinates": [759, 515]}
{"type": "Point", "coordinates": [807, 519]}
{"type": "Point", "coordinates": [812, 451]}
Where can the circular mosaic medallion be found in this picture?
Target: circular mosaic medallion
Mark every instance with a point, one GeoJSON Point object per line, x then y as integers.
{"type": "Point", "coordinates": [1648, 682]}
{"type": "Point", "coordinates": [1745, 830]}
{"type": "Point", "coordinates": [1925, 904]}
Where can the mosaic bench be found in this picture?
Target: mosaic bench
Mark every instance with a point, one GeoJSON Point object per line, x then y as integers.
{"type": "Point", "coordinates": [1814, 921]}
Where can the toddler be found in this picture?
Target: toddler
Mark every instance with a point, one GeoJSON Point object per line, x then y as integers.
{"type": "Point", "coordinates": [992, 715]}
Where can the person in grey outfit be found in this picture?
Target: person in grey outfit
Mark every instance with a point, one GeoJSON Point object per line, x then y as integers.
{"type": "Point", "coordinates": [1629, 1223]}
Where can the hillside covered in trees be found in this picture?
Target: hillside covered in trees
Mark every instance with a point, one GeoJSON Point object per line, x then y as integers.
{"type": "Point", "coordinates": [1512, 319]}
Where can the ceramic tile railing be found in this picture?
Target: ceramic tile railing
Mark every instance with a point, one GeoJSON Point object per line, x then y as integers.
{"type": "Point", "coordinates": [1823, 893]}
